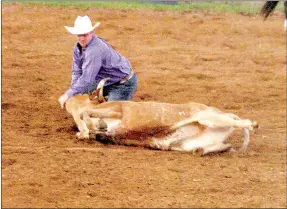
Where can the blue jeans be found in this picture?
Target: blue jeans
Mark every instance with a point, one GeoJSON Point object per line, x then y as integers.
{"type": "Point", "coordinates": [120, 91]}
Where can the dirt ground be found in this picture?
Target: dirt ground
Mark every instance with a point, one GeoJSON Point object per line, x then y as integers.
{"type": "Point", "coordinates": [234, 62]}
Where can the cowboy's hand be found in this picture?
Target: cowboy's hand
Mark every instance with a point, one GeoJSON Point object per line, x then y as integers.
{"type": "Point", "coordinates": [62, 100]}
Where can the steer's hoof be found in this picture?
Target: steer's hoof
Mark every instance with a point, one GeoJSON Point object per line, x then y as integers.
{"type": "Point", "coordinates": [255, 124]}
{"type": "Point", "coordinates": [82, 135]}
{"type": "Point", "coordinates": [101, 134]}
{"type": "Point", "coordinates": [92, 135]}
{"type": "Point", "coordinates": [102, 125]}
{"type": "Point", "coordinates": [96, 134]}
{"type": "Point", "coordinates": [198, 152]}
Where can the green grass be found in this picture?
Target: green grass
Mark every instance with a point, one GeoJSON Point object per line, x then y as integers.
{"type": "Point", "coordinates": [216, 6]}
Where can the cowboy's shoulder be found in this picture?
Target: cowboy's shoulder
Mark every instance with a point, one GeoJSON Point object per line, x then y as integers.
{"type": "Point", "coordinates": [96, 42]}
{"type": "Point", "coordinates": [95, 46]}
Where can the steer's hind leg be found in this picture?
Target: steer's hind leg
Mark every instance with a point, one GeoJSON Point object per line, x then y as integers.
{"type": "Point", "coordinates": [216, 148]}
{"type": "Point", "coordinates": [179, 145]}
{"type": "Point", "coordinates": [208, 139]}
{"type": "Point", "coordinates": [215, 119]}
{"type": "Point", "coordinates": [202, 150]}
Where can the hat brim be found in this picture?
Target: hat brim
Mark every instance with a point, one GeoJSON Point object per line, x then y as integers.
{"type": "Point", "coordinates": [79, 31]}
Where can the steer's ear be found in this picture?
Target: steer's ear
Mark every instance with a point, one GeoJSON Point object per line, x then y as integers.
{"type": "Point", "coordinates": [96, 97]}
{"type": "Point", "coordinates": [102, 99]}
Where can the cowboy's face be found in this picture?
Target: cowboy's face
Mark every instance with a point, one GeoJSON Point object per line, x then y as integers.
{"type": "Point", "coordinates": [84, 39]}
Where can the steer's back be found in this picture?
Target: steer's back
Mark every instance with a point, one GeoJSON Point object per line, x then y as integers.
{"type": "Point", "coordinates": [145, 115]}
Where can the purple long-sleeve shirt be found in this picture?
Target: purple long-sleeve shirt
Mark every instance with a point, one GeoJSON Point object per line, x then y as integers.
{"type": "Point", "coordinates": [97, 61]}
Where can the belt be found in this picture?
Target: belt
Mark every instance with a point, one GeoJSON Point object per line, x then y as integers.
{"type": "Point", "coordinates": [128, 77]}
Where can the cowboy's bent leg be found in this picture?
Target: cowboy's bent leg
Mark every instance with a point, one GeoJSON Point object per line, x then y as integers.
{"type": "Point", "coordinates": [122, 91]}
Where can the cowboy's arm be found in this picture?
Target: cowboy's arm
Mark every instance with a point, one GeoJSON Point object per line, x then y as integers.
{"type": "Point", "coordinates": [76, 67]}
{"type": "Point", "coordinates": [76, 73]}
{"type": "Point", "coordinates": [90, 69]}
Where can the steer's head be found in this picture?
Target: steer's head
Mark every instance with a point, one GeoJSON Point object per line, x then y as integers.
{"type": "Point", "coordinates": [80, 100]}
{"type": "Point", "coordinates": [97, 95]}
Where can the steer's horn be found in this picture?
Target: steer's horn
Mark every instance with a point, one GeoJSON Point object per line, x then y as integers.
{"type": "Point", "coordinates": [100, 87]}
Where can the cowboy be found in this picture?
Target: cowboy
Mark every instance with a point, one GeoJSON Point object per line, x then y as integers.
{"type": "Point", "coordinates": [93, 60]}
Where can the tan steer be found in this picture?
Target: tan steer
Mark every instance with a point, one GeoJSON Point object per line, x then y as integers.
{"type": "Point", "coordinates": [165, 126]}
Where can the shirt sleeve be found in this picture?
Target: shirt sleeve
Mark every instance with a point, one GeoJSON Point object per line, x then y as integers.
{"type": "Point", "coordinates": [83, 78]}
{"type": "Point", "coordinates": [76, 69]}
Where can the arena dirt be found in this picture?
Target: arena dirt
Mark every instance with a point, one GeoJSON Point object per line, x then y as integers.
{"type": "Point", "coordinates": [231, 61]}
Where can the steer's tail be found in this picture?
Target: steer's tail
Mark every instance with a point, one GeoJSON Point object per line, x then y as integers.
{"type": "Point", "coordinates": [246, 134]}
{"type": "Point", "coordinates": [246, 141]}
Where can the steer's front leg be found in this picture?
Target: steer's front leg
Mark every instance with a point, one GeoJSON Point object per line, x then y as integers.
{"type": "Point", "coordinates": [83, 135]}
{"type": "Point", "coordinates": [94, 123]}
{"type": "Point", "coordinates": [83, 130]}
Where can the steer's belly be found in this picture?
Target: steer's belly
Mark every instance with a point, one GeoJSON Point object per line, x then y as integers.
{"type": "Point", "coordinates": [182, 133]}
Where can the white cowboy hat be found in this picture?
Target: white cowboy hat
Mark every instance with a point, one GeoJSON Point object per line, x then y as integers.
{"type": "Point", "coordinates": [82, 25]}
